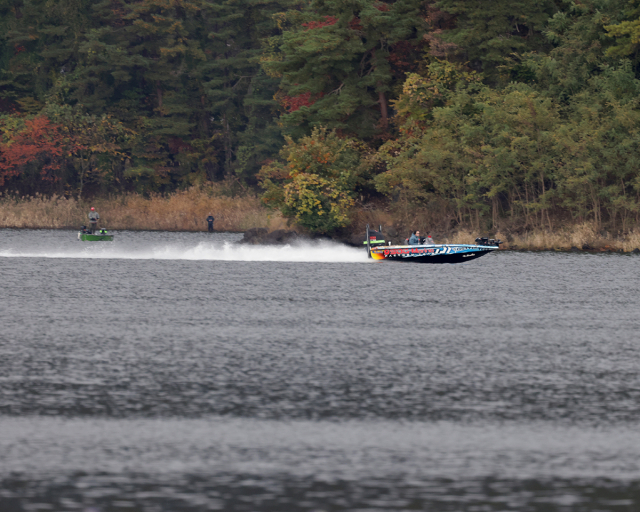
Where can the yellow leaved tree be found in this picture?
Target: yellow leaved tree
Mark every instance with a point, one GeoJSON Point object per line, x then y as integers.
{"type": "Point", "coordinates": [314, 181]}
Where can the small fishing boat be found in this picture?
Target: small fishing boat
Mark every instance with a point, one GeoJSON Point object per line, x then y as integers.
{"type": "Point", "coordinates": [84, 235]}
{"type": "Point", "coordinates": [428, 253]}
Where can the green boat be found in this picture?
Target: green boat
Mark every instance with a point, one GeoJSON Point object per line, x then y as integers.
{"type": "Point", "coordinates": [96, 238]}
{"type": "Point", "coordinates": [101, 236]}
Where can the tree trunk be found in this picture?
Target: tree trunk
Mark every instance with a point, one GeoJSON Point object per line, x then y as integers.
{"type": "Point", "coordinates": [494, 212]}
{"type": "Point", "coordinates": [204, 125]}
{"type": "Point", "coordinates": [384, 113]}
{"type": "Point", "coordinates": [227, 144]}
{"type": "Point", "coordinates": [82, 171]}
{"type": "Point", "coordinates": [595, 201]}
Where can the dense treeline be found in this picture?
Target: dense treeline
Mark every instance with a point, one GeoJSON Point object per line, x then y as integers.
{"type": "Point", "coordinates": [149, 94]}
{"type": "Point", "coordinates": [504, 112]}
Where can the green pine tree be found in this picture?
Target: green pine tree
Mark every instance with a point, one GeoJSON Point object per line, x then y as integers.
{"type": "Point", "coordinates": [488, 33]}
{"type": "Point", "coordinates": [342, 60]}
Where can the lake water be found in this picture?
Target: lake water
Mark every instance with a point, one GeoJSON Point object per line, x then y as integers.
{"type": "Point", "coordinates": [182, 372]}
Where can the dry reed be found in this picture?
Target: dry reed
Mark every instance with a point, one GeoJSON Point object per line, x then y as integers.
{"type": "Point", "coordinates": [583, 236]}
{"type": "Point", "coordinates": [181, 211]}
{"type": "Point", "coordinates": [187, 211]}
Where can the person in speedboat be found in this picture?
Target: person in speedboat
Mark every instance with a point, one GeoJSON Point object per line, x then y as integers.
{"type": "Point", "coordinates": [416, 239]}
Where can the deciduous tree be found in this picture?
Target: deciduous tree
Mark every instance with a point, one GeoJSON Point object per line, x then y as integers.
{"type": "Point", "coordinates": [33, 147]}
{"type": "Point", "coordinates": [314, 181]}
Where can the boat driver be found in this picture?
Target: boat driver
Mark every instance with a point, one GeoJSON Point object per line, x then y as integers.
{"type": "Point", "coordinates": [94, 217]}
{"type": "Point", "coordinates": [415, 238]}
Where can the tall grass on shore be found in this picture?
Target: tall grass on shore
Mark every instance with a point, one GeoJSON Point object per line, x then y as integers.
{"type": "Point", "coordinates": [187, 211]}
{"type": "Point", "coordinates": [583, 236]}
{"type": "Point", "coordinates": [180, 211]}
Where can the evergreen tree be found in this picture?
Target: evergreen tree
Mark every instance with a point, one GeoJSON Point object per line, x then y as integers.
{"type": "Point", "coordinates": [40, 43]}
{"type": "Point", "coordinates": [341, 60]}
{"type": "Point", "coordinates": [626, 34]}
{"type": "Point", "coordinates": [579, 42]}
{"type": "Point", "coordinates": [239, 94]}
{"type": "Point", "coordinates": [186, 76]}
{"type": "Point", "coordinates": [488, 33]}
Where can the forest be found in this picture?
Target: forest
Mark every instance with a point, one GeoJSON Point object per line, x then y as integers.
{"type": "Point", "coordinates": [515, 114]}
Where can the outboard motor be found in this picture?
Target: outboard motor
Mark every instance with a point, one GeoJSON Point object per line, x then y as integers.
{"type": "Point", "coordinates": [488, 241]}
{"type": "Point", "coordinates": [373, 239]}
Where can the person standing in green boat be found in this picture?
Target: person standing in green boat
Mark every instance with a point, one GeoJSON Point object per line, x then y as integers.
{"type": "Point", "coordinates": [94, 217]}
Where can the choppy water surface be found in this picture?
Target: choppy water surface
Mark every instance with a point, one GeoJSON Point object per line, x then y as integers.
{"type": "Point", "coordinates": [170, 372]}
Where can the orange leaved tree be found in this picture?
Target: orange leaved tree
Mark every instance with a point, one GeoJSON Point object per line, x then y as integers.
{"type": "Point", "coordinates": [34, 146]}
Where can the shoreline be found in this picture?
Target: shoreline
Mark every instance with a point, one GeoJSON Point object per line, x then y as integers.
{"type": "Point", "coordinates": [186, 211]}
{"type": "Point", "coordinates": [72, 228]}
{"type": "Point", "coordinates": [181, 211]}
{"type": "Point", "coordinates": [600, 249]}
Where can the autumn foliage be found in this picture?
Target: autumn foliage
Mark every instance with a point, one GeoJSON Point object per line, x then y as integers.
{"type": "Point", "coordinates": [328, 21]}
{"type": "Point", "coordinates": [383, 7]}
{"type": "Point", "coordinates": [306, 99]}
{"type": "Point", "coordinates": [314, 180]}
{"type": "Point", "coordinates": [39, 143]}
{"type": "Point", "coordinates": [487, 113]}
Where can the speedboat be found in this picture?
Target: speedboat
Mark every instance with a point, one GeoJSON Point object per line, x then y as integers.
{"type": "Point", "coordinates": [428, 253]}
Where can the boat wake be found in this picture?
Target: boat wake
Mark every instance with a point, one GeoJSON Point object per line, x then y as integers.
{"type": "Point", "coordinates": [321, 252]}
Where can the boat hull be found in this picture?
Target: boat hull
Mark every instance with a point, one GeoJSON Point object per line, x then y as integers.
{"type": "Point", "coordinates": [446, 253]}
{"type": "Point", "coordinates": [95, 238]}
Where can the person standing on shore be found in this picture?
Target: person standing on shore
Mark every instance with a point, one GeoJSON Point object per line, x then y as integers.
{"type": "Point", "coordinates": [94, 217]}
{"type": "Point", "coordinates": [210, 220]}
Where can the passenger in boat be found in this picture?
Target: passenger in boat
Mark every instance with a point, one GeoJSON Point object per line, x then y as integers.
{"type": "Point", "coordinates": [210, 220]}
{"type": "Point", "coordinates": [415, 238]}
{"type": "Point", "coordinates": [94, 217]}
